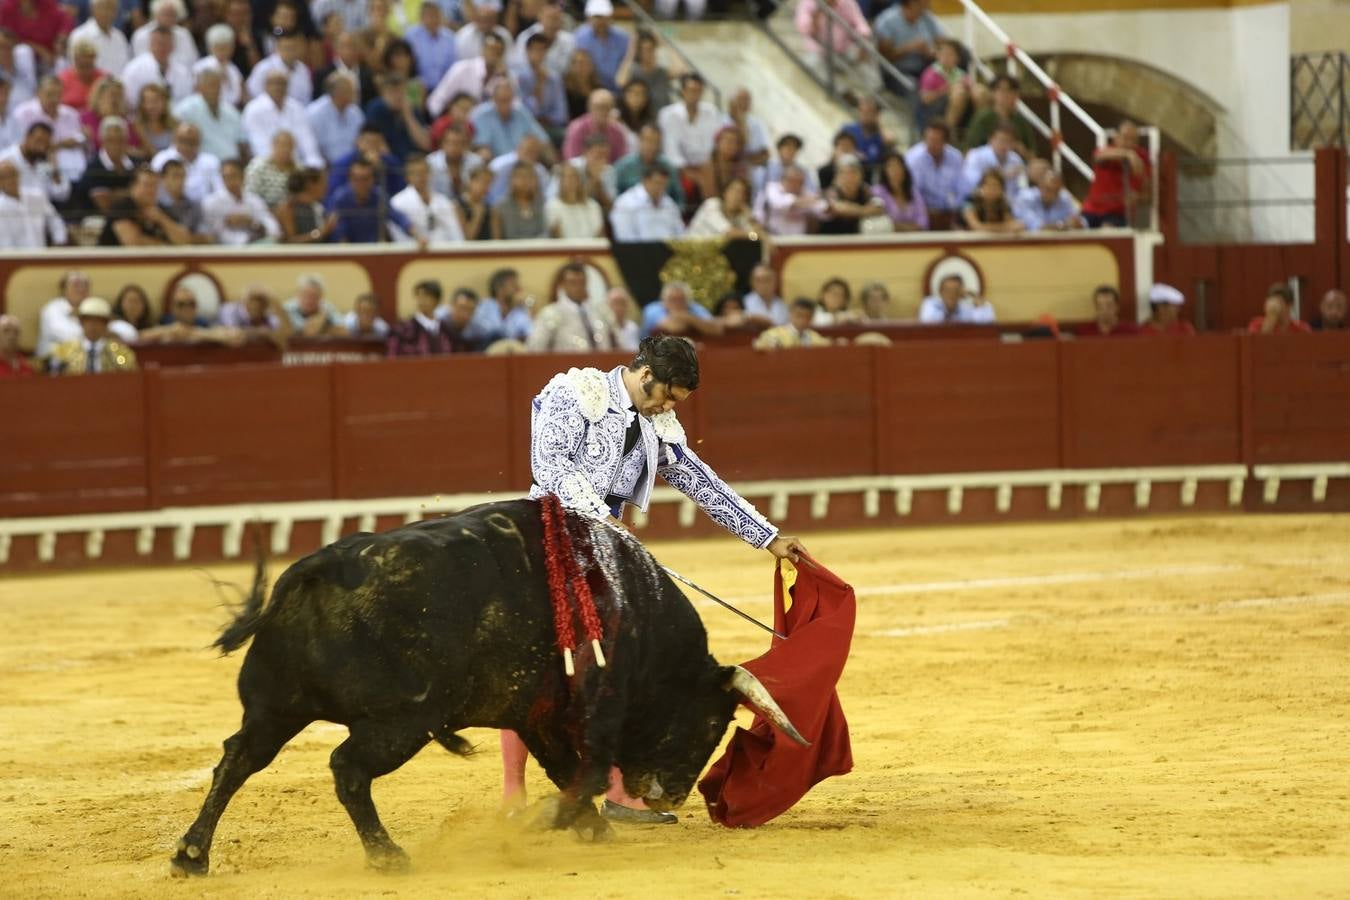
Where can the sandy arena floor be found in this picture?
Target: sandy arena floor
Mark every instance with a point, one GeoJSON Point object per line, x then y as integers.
{"type": "Point", "coordinates": [1145, 709]}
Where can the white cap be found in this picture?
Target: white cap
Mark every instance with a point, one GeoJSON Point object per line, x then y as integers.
{"type": "Point", "coordinates": [599, 8]}
{"type": "Point", "coordinates": [1165, 293]}
{"type": "Point", "coordinates": [95, 307]}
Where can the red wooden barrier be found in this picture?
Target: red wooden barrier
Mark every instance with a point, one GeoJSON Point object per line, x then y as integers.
{"type": "Point", "coordinates": [1300, 398]}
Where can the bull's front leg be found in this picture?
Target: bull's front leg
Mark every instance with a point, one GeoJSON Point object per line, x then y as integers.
{"type": "Point", "coordinates": [581, 774]}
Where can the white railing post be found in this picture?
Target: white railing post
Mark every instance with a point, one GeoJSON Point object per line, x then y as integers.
{"type": "Point", "coordinates": [1056, 135]}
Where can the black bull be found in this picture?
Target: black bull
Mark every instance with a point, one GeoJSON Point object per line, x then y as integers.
{"type": "Point", "coordinates": [408, 636]}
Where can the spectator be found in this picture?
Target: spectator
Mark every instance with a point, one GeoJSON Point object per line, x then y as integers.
{"type": "Point", "coordinates": [635, 111]}
{"type": "Point", "coordinates": [675, 313]}
{"type": "Point", "coordinates": [816, 27]}
{"type": "Point", "coordinates": [597, 175]}
{"type": "Point", "coordinates": [895, 189]}
{"type": "Point", "coordinates": [541, 90]}
{"type": "Point", "coordinates": [301, 216]}
{"type": "Point", "coordinates": [907, 35]}
{"type": "Point", "coordinates": [1166, 301]}
{"type": "Point", "coordinates": [561, 42]}
{"type": "Point", "coordinates": [727, 216]}
{"type": "Point", "coordinates": [689, 128]}
{"type": "Point", "coordinates": [875, 301]}
{"type": "Point", "coordinates": [1106, 304]}
{"type": "Point", "coordinates": [109, 173]}
{"type": "Point", "coordinates": [203, 169]}
{"type": "Point", "coordinates": [628, 171]}
{"type": "Point", "coordinates": [285, 60]}
{"type": "Point", "coordinates": [183, 312]}
{"type": "Point", "coordinates": [504, 313]}
{"type": "Point", "coordinates": [395, 118]}
{"type": "Point", "coordinates": [530, 150]}
{"type": "Point", "coordinates": [173, 199]}
{"type": "Point", "coordinates": [728, 158]}
{"type": "Point", "coordinates": [355, 14]}
{"type": "Point", "coordinates": [309, 313]}
{"type": "Point", "coordinates": [788, 206]}
{"type": "Point", "coordinates": [788, 147]}
{"type": "Point", "coordinates": [988, 210]}
{"type": "Point", "coordinates": [274, 111]}
{"type": "Point", "coordinates": [166, 16]}
{"type": "Point", "coordinates": [432, 215]}
{"type": "Point", "coordinates": [572, 215]}
{"type": "Point", "coordinates": [131, 314]}
{"type": "Point", "coordinates": [871, 141]}
{"type": "Point", "coordinates": [520, 214]}
{"type": "Point", "coordinates": [754, 135]}
{"type": "Point", "coordinates": [220, 128]}
{"type": "Point", "coordinates": [997, 155]}
{"type": "Point", "coordinates": [795, 332]}
{"type": "Point", "coordinates": [835, 305]}
{"type": "Point", "coordinates": [693, 9]}
{"type": "Point", "coordinates": [78, 80]}
{"type": "Point", "coordinates": [762, 305]}
{"type": "Point", "coordinates": [1109, 201]}
{"type": "Point", "coordinates": [451, 164]}
{"type": "Point", "coordinates": [153, 125]}
{"type": "Point", "coordinates": [18, 67]}
{"type": "Point", "coordinates": [93, 352]}
{"type": "Point", "coordinates": [850, 201]}
{"type": "Point", "coordinates": [220, 51]}
{"type": "Point", "coordinates": [469, 39]}
{"type": "Point", "coordinates": [646, 69]}
{"type": "Point", "coordinates": [1046, 206]}
{"type": "Point", "coordinates": [1277, 315]}
{"type": "Point", "coordinates": [843, 146]}
{"type": "Point", "coordinates": [364, 320]}
{"type": "Point", "coordinates": [371, 147]}
{"type": "Point", "coordinates": [239, 16]}
{"type": "Point", "coordinates": [645, 211]}
{"type": "Point", "coordinates": [27, 218]}
{"type": "Point", "coordinates": [475, 213]}
{"type": "Point", "coordinates": [580, 81]}
{"type": "Point", "coordinates": [1003, 111]}
{"type": "Point", "coordinates": [500, 123]}
{"type": "Point", "coordinates": [349, 58]}
{"type": "Point", "coordinates": [455, 324]}
{"type": "Point", "coordinates": [573, 322]}
{"type": "Point", "coordinates": [68, 140]}
{"type": "Point", "coordinates": [335, 118]}
{"type": "Point", "coordinates": [13, 364]}
{"type": "Point", "coordinates": [1331, 312]}
{"type": "Point", "coordinates": [41, 24]}
{"type": "Point", "coordinates": [156, 65]}
{"type": "Point", "coordinates": [105, 101]}
{"type": "Point", "coordinates": [598, 122]}
{"type": "Point", "coordinates": [944, 87]}
{"type": "Point", "coordinates": [258, 316]}
{"type": "Point", "coordinates": [32, 159]}
{"type": "Point", "coordinates": [57, 323]}
{"type": "Point", "coordinates": [472, 76]}
{"type": "Point", "coordinates": [235, 217]}
{"type": "Point", "coordinates": [269, 176]}
{"type": "Point", "coordinates": [136, 220]}
{"type": "Point", "coordinates": [433, 45]}
{"type": "Point", "coordinates": [112, 51]}
{"type": "Point", "coordinates": [626, 331]}
{"type": "Point", "coordinates": [954, 305]}
{"type": "Point", "coordinates": [362, 209]}
{"type": "Point", "coordinates": [607, 45]}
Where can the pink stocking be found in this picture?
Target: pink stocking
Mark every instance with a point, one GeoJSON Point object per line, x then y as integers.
{"type": "Point", "coordinates": [514, 757]}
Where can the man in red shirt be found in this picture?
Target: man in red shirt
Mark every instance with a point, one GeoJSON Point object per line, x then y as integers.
{"type": "Point", "coordinates": [1277, 319]}
{"type": "Point", "coordinates": [39, 23]}
{"type": "Point", "coordinates": [1106, 301]}
{"type": "Point", "coordinates": [13, 364]}
{"type": "Point", "coordinates": [1109, 201]}
{"type": "Point", "coordinates": [1166, 302]}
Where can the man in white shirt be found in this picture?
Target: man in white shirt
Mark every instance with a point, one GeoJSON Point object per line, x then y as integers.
{"type": "Point", "coordinates": [203, 169]}
{"type": "Point", "coordinates": [220, 56]}
{"type": "Point", "coordinates": [432, 215]}
{"type": "Point", "coordinates": [57, 323]}
{"type": "Point", "coordinates": [473, 76]}
{"type": "Point", "coordinates": [562, 43]}
{"type": "Point", "coordinates": [27, 217]}
{"type": "Point", "coordinates": [953, 305]}
{"type": "Point", "coordinates": [763, 302]}
{"type": "Point", "coordinates": [786, 207]}
{"type": "Point", "coordinates": [220, 125]}
{"type": "Point", "coordinates": [688, 128]}
{"type": "Point", "coordinates": [19, 68]}
{"type": "Point", "coordinates": [114, 52]}
{"type": "Point", "coordinates": [469, 39]}
{"type": "Point", "coordinates": [645, 212]}
{"type": "Point", "coordinates": [273, 111]}
{"type": "Point", "coordinates": [453, 163]}
{"type": "Point", "coordinates": [167, 14]}
{"type": "Point", "coordinates": [752, 127]}
{"type": "Point", "coordinates": [32, 157]}
{"type": "Point", "coordinates": [997, 154]}
{"type": "Point", "coordinates": [68, 141]}
{"type": "Point", "coordinates": [156, 66]}
{"type": "Point", "coordinates": [335, 117]}
{"type": "Point", "coordinates": [234, 216]}
{"type": "Point", "coordinates": [299, 86]}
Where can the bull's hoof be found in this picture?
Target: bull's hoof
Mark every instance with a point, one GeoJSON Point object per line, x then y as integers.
{"type": "Point", "coordinates": [591, 827]}
{"type": "Point", "coordinates": [543, 814]}
{"type": "Point", "coordinates": [189, 860]}
{"type": "Point", "coordinates": [391, 860]}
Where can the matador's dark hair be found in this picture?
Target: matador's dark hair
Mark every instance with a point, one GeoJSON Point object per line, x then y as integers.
{"type": "Point", "coordinates": [672, 359]}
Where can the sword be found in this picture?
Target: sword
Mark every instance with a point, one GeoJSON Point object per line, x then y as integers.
{"type": "Point", "coordinates": [718, 600]}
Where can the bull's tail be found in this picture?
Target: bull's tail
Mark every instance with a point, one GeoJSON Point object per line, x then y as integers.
{"type": "Point", "coordinates": [252, 612]}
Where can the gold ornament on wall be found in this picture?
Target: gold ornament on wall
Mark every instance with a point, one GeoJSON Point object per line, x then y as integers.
{"type": "Point", "coordinates": [701, 264]}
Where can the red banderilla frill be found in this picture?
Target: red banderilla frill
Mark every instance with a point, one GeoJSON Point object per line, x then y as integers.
{"type": "Point", "coordinates": [565, 573]}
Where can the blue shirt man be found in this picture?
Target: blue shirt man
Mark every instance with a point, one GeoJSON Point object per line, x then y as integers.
{"type": "Point", "coordinates": [606, 44]}
{"type": "Point", "coordinates": [363, 211]}
{"type": "Point", "coordinates": [546, 102]}
{"type": "Point", "coordinates": [500, 123]}
{"type": "Point", "coordinates": [488, 323]}
{"type": "Point", "coordinates": [336, 119]}
{"type": "Point", "coordinates": [936, 168]}
{"type": "Point", "coordinates": [1047, 206]}
{"type": "Point", "coordinates": [433, 45]}
{"type": "Point", "coordinates": [654, 314]}
{"type": "Point", "coordinates": [904, 23]}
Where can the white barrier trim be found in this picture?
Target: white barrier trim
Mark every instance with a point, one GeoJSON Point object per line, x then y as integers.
{"type": "Point", "coordinates": [331, 514]}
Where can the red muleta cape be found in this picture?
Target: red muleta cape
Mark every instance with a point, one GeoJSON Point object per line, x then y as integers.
{"type": "Point", "coordinates": [763, 773]}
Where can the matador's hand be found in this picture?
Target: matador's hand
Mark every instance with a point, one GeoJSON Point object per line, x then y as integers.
{"type": "Point", "coordinates": [784, 547]}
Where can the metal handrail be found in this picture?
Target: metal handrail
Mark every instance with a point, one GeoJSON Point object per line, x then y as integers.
{"type": "Point", "coordinates": [835, 20]}
{"type": "Point", "coordinates": [645, 19]}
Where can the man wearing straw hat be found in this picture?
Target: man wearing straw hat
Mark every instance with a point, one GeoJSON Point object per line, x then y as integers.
{"type": "Point", "coordinates": [94, 352]}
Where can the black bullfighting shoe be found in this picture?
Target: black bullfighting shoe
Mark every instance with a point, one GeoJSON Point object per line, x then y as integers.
{"type": "Point", "coordinates": [626, 815]}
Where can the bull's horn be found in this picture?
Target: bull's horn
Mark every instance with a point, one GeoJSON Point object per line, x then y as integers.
{"type": "Point", "coordinates": [759, 699]}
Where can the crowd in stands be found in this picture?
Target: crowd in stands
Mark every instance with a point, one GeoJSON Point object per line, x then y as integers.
{"type": "Point", "coordinates": [79, 333]}
{"type": "Point", "coordinates": [434, 121]}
